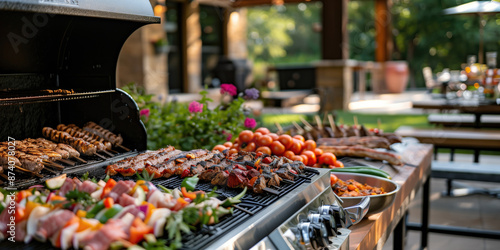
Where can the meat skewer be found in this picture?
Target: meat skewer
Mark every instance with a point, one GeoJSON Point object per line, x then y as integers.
{"type": "Point", "coordinates": [116, 140]}
{"type": "Point", "coordinates": [43, 148]}
{"type": "Point", "coordinates": [82, 146]}
{"type": "Point", "coordinates": [76, 132]}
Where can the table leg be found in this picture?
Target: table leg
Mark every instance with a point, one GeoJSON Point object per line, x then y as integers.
{"type": "Point", "coordinates": [477, 121]}
{"type": "Point", "coordinates": [399, 234]}
{"type": "Point", "coordinates": [425, 214]}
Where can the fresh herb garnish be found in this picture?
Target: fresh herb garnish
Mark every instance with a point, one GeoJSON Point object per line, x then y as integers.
{"type": "Point", "coordinates": [85, 176]}
{"type": "Point", "coordinates": [145, 176]}
{"type": "Point", "coordinates": [190, 182]}
{"type": "Point", "coordinates": [78, 197]}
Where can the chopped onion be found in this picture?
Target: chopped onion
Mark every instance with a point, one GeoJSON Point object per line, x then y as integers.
{"type": "Point", "coordinates": [36, 186]}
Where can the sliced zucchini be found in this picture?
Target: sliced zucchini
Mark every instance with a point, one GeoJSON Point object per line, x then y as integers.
{"type": "Point", "coordinates": [56, 182]}
{"type": "Point", "coordinates": [139, 195]}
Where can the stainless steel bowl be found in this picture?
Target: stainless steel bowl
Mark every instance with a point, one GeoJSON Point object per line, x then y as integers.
{"type": "Point", "coordinates": [379, 202]}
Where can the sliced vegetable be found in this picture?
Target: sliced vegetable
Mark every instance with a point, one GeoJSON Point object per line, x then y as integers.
{"type": "Point", "coordinates": [81, 213]}
{"type": "Point", "coordinates": [138, 230]}
{"type": "Point", "coordinates": [109, 185]}
{"type": "Point", "coordinates": [363, 170]}
{"type": "Point", "coordinates": [234, 200]}
{"type": "Point", "coordinates": [56, 182]}
{"type": "Point", "coordinates": [95, 209]}
{"type": "Point", "coordinates": [108, 202]}
{"type": "Point", "coordinates": [109, 213]}
{"type": "Point", "coordinates": [140, 196]}
{"type": "Point", "coordinates": [190, 183]}
{"type": "Point", "coordinates": [33, 219]}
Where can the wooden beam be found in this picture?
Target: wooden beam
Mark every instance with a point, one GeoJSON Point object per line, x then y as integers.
{"type": "Point", "coordinates": [383, 35]}
{"type": "Point", "coordinates": [335, 38]}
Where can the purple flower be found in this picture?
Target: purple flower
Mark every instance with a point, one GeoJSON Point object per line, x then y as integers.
{"type": "Point", "coordinates": [252, 93]}
{"type": "Point", "coordinates": [228, 88]}
{"type": "Point", "coordinates": [195, 107]}
{"type": "Point", "coordinates": [229, 135]}
{"type": "Point", "coordinates": [144, 112]}
{"type": "Point", "coordinates": [250, 123]}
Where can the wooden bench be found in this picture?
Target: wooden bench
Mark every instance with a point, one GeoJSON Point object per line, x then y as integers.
{"type": "Point", "coordinates": [464, 120]}
{"type": "Point", "coordinates": [455, 138]}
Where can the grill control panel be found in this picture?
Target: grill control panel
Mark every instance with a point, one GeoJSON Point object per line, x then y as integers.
{"type": "Point", "coordinates": [320, 224]}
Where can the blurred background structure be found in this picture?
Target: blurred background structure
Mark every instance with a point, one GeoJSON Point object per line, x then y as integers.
{"type": "Point", "coordinates": [332, 48]}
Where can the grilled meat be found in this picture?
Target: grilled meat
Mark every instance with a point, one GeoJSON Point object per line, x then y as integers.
{"type": "Point", "coordinates": [78, 133]}
{"type": "Point", "coordinates": [107, 135]}
{"type": "Point", "coordinates": [130, 166]}
{"type": "Point", "coordinates": [82, 146]}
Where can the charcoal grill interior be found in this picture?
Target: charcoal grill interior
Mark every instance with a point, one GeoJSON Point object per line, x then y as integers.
{"type": "Point", "coordinates": [58, 65]}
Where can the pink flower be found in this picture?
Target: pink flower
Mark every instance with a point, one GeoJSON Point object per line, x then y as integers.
{"type": "Point", "coordinates": [228, 88]}
{"type": "Point", "coordinates": [250, 123]}
{"type": "Point", "coordinates": [144, 112]}
{"type": "Point", "coordinates": [195, 107]}
{"type": "Point", "coordinates": [229, 137]}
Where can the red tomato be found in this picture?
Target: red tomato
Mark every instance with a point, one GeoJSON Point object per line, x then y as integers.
{"type": "Point", "coordinates": [233, 151]}
{"type": "Point", "coordinates": [264, 149]}
{"type": "Point", "coordinates": [298, 158]}
{"type": "Point", "coordinates": [286, 140]}
{"type": "Point", "coordinates": [265, 140]}
{"type": "Point", "coordinates": [274, 136]}
{"type": "Point", "coordinates": [228, 144]}
{"type": "Point", "coordinates": [311, 157]}
{"type": "Point", "coordinates": [237, 140]}
{"type": "Point", "coordinates": [289, 154]}
{"type": "Point", "coordinates": [338, 164]}
{"type": "Point", "coordinates": [277, 148]}
{"type": "Point", "coordinates": [257, 136]}
{"type": "Point", "coordinates": [245, 136]}
{"type": "Point", "coordinates": [296, 147]}
{"type": "Point", "coordinates": [318, 152]}
{"type": "Point", "coordinates": [333, 179]}
{"type": "Point", "coordinates": [220, 148]}
{"type": "Point", "coordinates": [305, 159]}
{"type": "Point", "coordinates": [263, 130]}
{"type": "Point", "coordinates": [249, 147]}
{"type": "Point", "coordinates": [310, 145]}
{"type": "Point", "coordinates": [299, 137]}
{"type": "Point", "coordinates": [236, 146]}
{"type": "Point", "coordinates": [327, 158]}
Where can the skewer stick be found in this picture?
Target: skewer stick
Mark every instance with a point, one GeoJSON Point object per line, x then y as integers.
{"type": "Point", "coordinates": [28, 171]}
{"type": "Point", "coordinates": [100, 156]}
{"type": "Point", "coordinates": [123, 147]}
{"type": "Point", "coordinates": [332, 122]}
{"type": "Point", "coordinates": [244, 210]}
{"type": "Point", "coordinates": [51, 164]}
{"type": "Point", "coordinates": [4, 176]}
{"type": "Point", "coordinates": [271, 191]}
{"type": "Point", "coordinates": [112, 151]}
{"type": "Point", "coordinates": [324, 117]}
{"type": "Point", "coordinates": [379, 123]}
{"type": "Point", "coordinates": [66, 161]}
{"type": "Point", "coordinates": [108, 153]}
{"type": "Point", "coordinates": [300, 130]}
{"type": "Point", "coordinates": [50, 170]}
{"type": "Point", "coordinates": [318, 121]}
{"type": "Point", "coordinates": [280, 129]}
{"type": "Point", "coordinates": [306, 123]}
{"type": "Point", "coordinates": [355, 120]}
{"type": "Point", "coordinates": [287, 181]}
{"type": "Point", "coordinates": [80, 159]}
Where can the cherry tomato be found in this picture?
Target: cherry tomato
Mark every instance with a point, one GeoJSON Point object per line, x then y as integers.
{"type": "Point", "coordinates": [310, 145]}
{"type": "Point", "coordinates": [265, 140]}
{"type": "Point", "coordinates": [298, 158]}
{"type": "Point", "coordinates": [286, 140]}
{"type": "Point", "coordinates": [264, 149]}
{"type": "Point", "coordinates": [245, 136]}
{"type": "Point", "coordinates": [274, 136]}
{"type": "Point", "coordinates": [263, 130]}
{"type": "Point", "coordinates": [237, 140]}
{"type": "Point", "coordinates": [311, 157]}
{"type": "Point", "coordinates": [305, 159]}
{"type": "Point", "coordinates": [338, 164]}
{"type": "Point", "coordinates": [277, 148]}
{"type": "Point", "coordinates": [289, 154]}
{"type": "Point", "coordinates": [249, 147]}
{"type": "Point", "coordinates": [256, 136]}
{"type": "Point", "coordinates": [236, 146]}
{"type": "Point", "coordinates": [296, 147]}
{"type": "Point", "coordinates": [228, 144]}
{"type": "Point", "coordinates": [299, 137]}
{"type": "Point", "coordinates": [333, 179]}
{"type": "Point", "coordinates": [220, 148]}
{"type": "Point", "coordinates": [327, 158]}
{"type": "Point", "coordinates": [318, 152]}
{"type": "Point", "coordinates": [233, 151]}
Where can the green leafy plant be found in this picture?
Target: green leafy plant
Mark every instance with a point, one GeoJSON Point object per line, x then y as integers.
{"type": "Point", "coordinates": [194, 125]}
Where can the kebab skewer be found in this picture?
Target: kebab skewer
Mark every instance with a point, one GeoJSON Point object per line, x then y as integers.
{"type": "Point", "coordinates": [82, 146]}
{"type": "Point", "coordinates": [107, 135]}
{"type": "Point", "coordinates": [100, 144]}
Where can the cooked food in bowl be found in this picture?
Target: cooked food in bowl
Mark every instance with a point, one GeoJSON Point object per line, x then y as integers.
{"type": "Point", "coordinates": [378, 201]}
{"type": "Point", "coordinates": [352, 188]}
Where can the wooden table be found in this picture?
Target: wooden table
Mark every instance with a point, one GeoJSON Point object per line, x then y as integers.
{"type": "Point", "coordinates": [372, 232]}
{"type": "Point", "coordinates": [477, 108]}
